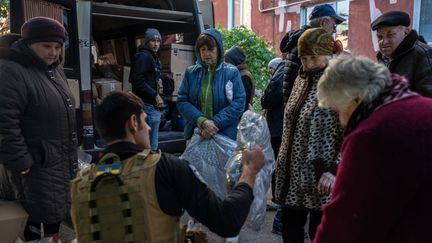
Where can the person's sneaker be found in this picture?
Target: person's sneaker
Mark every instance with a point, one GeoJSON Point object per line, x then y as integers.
{"type": "Point", "coordinates": [271, 206]}
{"type": "Point", "coordinates": [232, 240]}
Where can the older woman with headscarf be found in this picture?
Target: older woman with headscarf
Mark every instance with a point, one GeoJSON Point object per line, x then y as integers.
{"type": "Point", "coordinates": [308, 154]}
{"type": "Point", "coordinates": [383, 185]}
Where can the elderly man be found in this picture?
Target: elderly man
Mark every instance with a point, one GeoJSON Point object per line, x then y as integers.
{"type": "Point", "coordinates": [323, 16]}
{"type": "Point", "coordinates": [402, 51]}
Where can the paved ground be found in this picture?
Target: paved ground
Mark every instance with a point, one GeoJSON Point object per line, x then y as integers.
{"type": "Point", "coordinates": [246, 235]}
{"type": "Point", "coordinates": [249, 236]}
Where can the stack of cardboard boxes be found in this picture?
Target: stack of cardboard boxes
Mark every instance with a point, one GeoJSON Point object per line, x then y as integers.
{"type": "Point", "coordinates": [175, 58]}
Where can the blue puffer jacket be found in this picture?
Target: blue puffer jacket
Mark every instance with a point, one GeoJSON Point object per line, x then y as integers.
{"type": "Point", "coordinates": [226, 114]}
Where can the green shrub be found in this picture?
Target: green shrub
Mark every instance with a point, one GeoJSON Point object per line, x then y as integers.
{"type": "Point", "coordinates": [258, 54]}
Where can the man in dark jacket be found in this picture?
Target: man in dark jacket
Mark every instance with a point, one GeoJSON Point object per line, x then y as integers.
{"type": "Point", "coordinates": [322, 16]}
{"type": "Point", "coordinates": [236, 56]}
{"type": "Point", "coordinates": [146, 81]}
{"type": "Point", "coordinates": [176, 184]}
{"type": "Point", "coordinates": [273, 104]}
{"type": "Point", "coordinates": [38, 137]}
{"type": "Point", "coordinates": [403, 52]}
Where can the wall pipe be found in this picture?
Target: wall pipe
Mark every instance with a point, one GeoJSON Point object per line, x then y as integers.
{"type": "Point", "coordinates": [282, 6]}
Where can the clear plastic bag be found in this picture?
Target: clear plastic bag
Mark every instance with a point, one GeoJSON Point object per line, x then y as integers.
{"type": "Point", "coordinates": [253, 130]}
{"type": "Point", "coordinates": [84, 159]}
{"type": "Point", "coordinates": [209, 157]}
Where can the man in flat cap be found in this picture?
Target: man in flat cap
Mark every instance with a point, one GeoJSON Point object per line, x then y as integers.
{"type": "Point", "coordinates": [402, 52]}
{"type": "Point", "coordinates": [323, 16]}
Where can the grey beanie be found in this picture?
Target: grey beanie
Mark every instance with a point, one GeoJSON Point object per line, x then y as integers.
{"type": "Point", "coordinates": [150, 34]}
{"type": "Point", "coordinates": [274, 63]}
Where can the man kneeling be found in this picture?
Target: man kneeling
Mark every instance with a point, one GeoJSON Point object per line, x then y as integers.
{"type": "Point", "coordinates": [134, 195]}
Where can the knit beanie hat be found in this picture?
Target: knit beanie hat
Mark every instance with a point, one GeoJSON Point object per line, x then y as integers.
{"type": "Point", "coordinates": [315, 41]}
{"type": "Point", "coordinates": [235, 55]}
{"type": "Point", "coordinates": [43, 29]}
{"type": "Point", "coordinates": [151, 34]}
{"type": "Point", "coordinates": [274, 63]}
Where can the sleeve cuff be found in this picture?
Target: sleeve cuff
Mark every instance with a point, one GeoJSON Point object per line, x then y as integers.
{"type": "Point", "coordinates": [21, 164]}
{"type": "Point", "coordinates": [200, 121]}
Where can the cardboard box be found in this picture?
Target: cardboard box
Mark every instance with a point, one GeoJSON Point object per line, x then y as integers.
{"type": "Point", "coordinates": [175, 58]}
{"type": "Point", "coordinates": [13, 219]}
{"type": "Point", "coordinates": [178, 78]}
{"type": "Point", "coordinates": [127, 86]}
{"type": "Point", "coordinates": [104, 86]}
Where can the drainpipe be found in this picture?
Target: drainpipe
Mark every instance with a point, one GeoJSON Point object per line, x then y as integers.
{"type": "Point", "coordinates": [242, 12]}
{"type": "Point", "coordinates": [231, 19]}
{"type": "Point", "coordinates": [282, 6]}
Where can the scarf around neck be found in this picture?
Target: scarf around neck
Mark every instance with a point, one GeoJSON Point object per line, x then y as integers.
{"type": "Point", "coordinates": [397, 90]}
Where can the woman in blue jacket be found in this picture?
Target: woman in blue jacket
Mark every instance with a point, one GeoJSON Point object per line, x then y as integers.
{"type": "Point", "coordinates": [211, 96]}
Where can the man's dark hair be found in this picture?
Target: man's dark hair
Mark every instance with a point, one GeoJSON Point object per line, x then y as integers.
{"type": "Point", "coordinates": [113, 112]}
{"type": "Point", "coordinates": [206, 40]}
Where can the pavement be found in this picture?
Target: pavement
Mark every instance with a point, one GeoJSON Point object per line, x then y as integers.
{"type": "Point", "coordinates": [247, 235]}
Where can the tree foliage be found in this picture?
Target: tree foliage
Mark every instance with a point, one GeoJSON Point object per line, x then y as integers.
{"type": "Point", "coordinates": [4, 8]}
{"type": "Point", "coordinates": [258, 55]}
{"type": "Point", "coordinates": [4, 17]}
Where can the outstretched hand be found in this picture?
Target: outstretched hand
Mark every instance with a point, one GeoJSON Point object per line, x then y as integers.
{"type": "Point", "coordinates": [252, 162]}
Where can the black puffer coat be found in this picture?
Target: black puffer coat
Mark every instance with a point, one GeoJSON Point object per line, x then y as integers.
{"type": "Point", "coordinates": [288, 46]}
{"type": "Point", "coordinates": [37, 131]}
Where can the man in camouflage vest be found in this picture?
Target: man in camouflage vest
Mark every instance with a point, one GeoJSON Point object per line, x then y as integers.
{"type": "Point", "coordinates": [149, 189]}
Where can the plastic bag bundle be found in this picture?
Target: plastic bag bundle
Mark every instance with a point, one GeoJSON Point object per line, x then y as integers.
{"type": "Point", "coordinates": [84, 159]}
{"type": "Point", "coordinates": [209, 157]}
{"type": "Point", "coordinates": [253, 130]}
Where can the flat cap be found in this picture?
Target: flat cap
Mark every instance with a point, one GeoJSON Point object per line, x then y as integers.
{"type": "Point", "coordinates": [392, 18]}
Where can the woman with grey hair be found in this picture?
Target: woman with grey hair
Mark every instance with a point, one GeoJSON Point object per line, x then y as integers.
{"type": "Point", "coordinates": [382, 190]}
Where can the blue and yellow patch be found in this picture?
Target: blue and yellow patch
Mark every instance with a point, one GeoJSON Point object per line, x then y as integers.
{"type": "Point", "coordinates": [114, 169]}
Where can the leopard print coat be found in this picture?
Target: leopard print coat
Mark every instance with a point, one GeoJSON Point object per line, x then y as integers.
{"type": "Point", "coordinates": [310, 146]}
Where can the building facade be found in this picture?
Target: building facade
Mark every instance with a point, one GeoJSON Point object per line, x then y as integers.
{"type": "Point", "coordinates": [273, 18]}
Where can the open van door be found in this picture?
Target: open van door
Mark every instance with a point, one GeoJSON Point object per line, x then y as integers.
{"type": "Point", "coordinates": [207, 13]}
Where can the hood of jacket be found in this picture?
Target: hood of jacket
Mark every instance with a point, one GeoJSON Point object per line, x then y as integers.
{"type": "Point", "coordinates": [218, 38]}
{"type": "Point", "coordinates": [289, 41]}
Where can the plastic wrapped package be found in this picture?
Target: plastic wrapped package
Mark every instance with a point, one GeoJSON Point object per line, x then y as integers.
{"type": "Point", "coordinates": [253, 130]}
{"type": "Point", "coordinates": [84, 159]}
{"type": "Point", "coordinates": [209, 157]}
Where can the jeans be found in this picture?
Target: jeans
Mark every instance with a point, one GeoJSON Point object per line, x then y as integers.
{"type": "Point", "coordinates": [153, 120]}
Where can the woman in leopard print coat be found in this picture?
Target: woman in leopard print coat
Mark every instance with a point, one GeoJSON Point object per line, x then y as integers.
{"type": "Point", "coordinates": [308, 156]}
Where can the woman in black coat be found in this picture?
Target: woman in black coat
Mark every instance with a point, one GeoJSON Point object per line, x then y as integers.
{"type": "Point", "coordinates": [38, 137]}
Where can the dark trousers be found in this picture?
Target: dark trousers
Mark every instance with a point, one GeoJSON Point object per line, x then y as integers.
{"type": "Point", "coordinates": [275, 142]}
{"type": "Point", "coordinates": [294, 221]}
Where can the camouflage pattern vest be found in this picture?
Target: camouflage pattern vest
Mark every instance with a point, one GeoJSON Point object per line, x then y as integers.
{"type": "Point", "coordinates": [116, 201]}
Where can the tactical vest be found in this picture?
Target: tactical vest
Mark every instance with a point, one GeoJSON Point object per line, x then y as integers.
{"type": "Point", "coordinates": [116, 202]}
